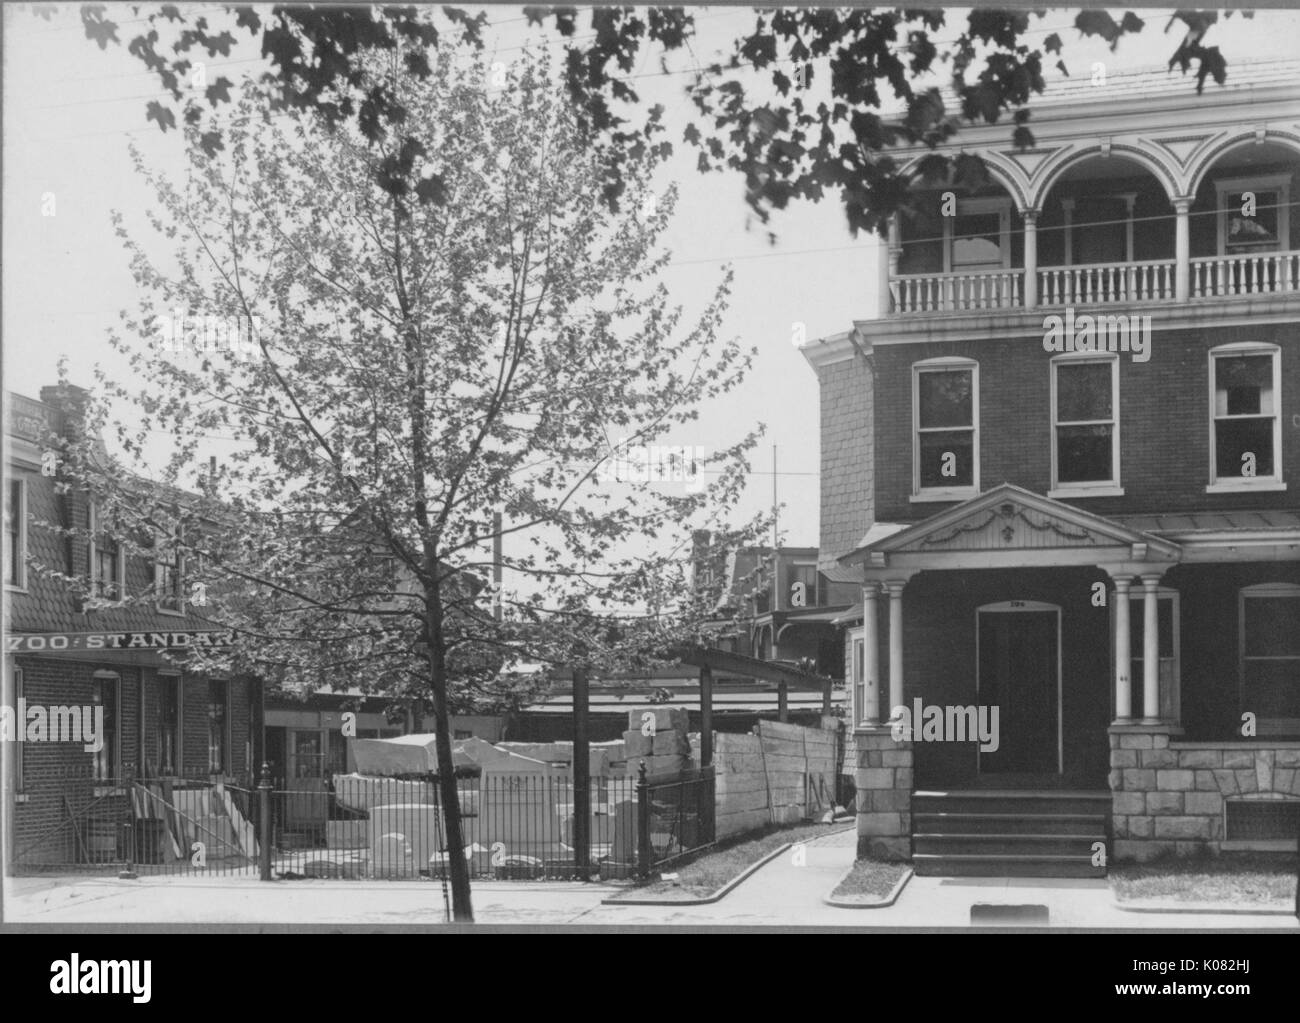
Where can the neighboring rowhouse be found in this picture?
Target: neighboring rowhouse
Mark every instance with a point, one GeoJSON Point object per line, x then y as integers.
{"type": "Point", "coordinates": [1062, 464]}
{"type": "Point", "coordinates": [68, 665]}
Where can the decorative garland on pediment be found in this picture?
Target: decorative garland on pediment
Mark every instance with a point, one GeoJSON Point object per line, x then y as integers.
{"type": "Point", "coordinates": [1009, 512]}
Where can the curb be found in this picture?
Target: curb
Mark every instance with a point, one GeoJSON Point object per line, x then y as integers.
{"type": "Point", "coordinates": [707, 899]}
{"type": "Point", "coordinates": [884, 903]}
{"type": "Point", "coordinates": [1210, 908]}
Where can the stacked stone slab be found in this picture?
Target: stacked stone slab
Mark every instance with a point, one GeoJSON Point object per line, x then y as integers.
{"type": "Point", "coordinates": [667, 750]}
{"type": "Point", "coordinates": [884, 783]}
{"type": "Point", "coordinates": [1170, 796]}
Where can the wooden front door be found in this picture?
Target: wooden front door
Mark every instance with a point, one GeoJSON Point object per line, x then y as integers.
{"type": "Point", "coordinates": [1019, 673]}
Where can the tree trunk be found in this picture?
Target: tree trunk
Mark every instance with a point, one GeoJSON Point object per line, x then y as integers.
{"type": "Point", "coordinates": [461, 909]}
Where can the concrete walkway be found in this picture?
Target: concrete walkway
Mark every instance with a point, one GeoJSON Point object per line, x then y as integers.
{"type": "Point", "coordinates": [788, 891]}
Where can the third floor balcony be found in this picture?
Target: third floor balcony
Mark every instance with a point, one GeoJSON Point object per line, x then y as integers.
{"type": "Point", "coordinates": [1148, 216]}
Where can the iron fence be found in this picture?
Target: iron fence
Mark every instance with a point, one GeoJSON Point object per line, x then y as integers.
{"type": "Point", "coordinates": [137, 826]}
{"type": "Point", "coordinates": [676, 818]}
{"type": "Point", "coordinates": [514, 826]}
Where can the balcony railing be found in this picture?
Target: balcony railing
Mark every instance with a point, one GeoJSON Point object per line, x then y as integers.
{"type": "Point", "coordinates": [1262, 273]}
{"type": "Point", "coordinates": [1100, 283]}
{"type": "Point", "coordinates": [943, 293]}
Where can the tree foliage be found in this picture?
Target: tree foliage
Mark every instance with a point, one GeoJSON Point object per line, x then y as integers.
{"type": "Point", "coordinates": [755, 116]}
{"type": "Point", "coordinates": [411, 371]}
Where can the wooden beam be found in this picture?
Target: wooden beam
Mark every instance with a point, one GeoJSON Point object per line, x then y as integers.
{"type": "Point", "coordinates": [782, 701]}
{"type": "Point", "coordinates": [740, 664]}
{"type": "Point", "coordinates": [706, 716]}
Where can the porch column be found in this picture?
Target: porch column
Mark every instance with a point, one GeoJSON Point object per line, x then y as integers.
{"type": "Point", "coordinates": [892, 254]}
{"type": "Point", "coordinates": [1182, 249]}
{"type": "Point", "coordinates": [869, 711]}
{"type": "Point", "coordinates": [1123, 647]}
{"type": "Point", "coordinates": [1031, 258]}
{"type": "Point", "coordinates": [1150, 652]}
{"type": "Point", "coordinates": [895, 644]}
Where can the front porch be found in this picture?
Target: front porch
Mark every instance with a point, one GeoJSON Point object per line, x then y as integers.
{"type": "Point", "coordinates": [1028, 646]}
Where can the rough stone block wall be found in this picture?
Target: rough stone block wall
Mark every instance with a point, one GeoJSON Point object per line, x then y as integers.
{"type": "Point", "coordinates": [884, 781]}
{"type": "Point", "coordinates": [1169, 796]}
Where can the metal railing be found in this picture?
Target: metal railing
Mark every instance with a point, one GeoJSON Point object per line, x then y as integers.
{"type": "Point", "coordinates": [514, 826]}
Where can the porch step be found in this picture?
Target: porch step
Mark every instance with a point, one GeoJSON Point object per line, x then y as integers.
{"type": "Point", "coordinates": [1005, 833]}
{"type": "Point", "coordinates": [948, 823]}
{"type": "Point", "coordinates": [1003, 845]}
{"type": "Point", "coordinates": [930, 865]}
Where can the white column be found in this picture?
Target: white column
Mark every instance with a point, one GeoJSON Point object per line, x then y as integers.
{"type": "Point", "coordinates": [1067, 211]}
{"type": "Point", "coordinates": [1150, 652]}
{"type": "Point", "coordinates": [1182, 249]}
{"type": "Point", "coordinates": [869, 713]}
{"type": "Point", "coordinates": [895, 644]}
{"type": "Point", "coordinates": [1123, 647]}
{"type": "Point", "coordinates": [1031, 258]}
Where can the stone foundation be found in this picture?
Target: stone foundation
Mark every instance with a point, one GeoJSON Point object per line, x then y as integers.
{"type": "Point", "coordinates": [884, 801]}
{"type": "Point", "coordinates": [1168, 796]}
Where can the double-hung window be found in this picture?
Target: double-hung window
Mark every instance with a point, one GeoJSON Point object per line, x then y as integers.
{"type": "Point", "coordinates": [945, 420]}
{"type": "Point", "coordinates": [1085, 426]}
{"type": "Point", "coordinates": [1245, 425]}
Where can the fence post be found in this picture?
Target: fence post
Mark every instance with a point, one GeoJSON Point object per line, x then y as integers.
{"type": "Point", "coordinates": [642, 823]}
{"type": "Point", "coordinates": [128, 873]}
{"type": "Point", "coordinates": [264, 829]}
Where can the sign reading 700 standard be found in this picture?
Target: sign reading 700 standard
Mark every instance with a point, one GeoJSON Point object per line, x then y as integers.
{"type": "Point", "coordinates": [37, 642]}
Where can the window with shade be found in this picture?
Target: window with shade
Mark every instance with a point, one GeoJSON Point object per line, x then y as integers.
{"type": "Point", "coordinates": [169, 724]}
{"type": "Point", "coordinates": [1245, 425]}
{"type": "Point", "coordinates": [106, 561]}
{"type": "Point", "coordinates": [1270, 657]}
{"type": "Point", "coordinates": [218, 725]}
{"type": "Point", "coordinates": [106, 691]}
{"type": "Point", "coordinates": [946, 448]}
{"type": "Point", "coordinates": [859, 674]}
{"type": "Point", "coordinates": [1085, 395]}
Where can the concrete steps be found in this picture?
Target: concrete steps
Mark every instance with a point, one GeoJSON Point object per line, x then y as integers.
{"type": "Point", "coordinates": [1005, 833]}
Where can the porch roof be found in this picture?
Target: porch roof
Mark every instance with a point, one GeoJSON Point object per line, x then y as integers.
{"type": "Point", "coordinates": [1008, 526]}
{"type": "Point", "coordinates": [1175, 525]}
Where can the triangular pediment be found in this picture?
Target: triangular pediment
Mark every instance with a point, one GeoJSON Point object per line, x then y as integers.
{"type": "Point", "coordinates": [1008, 519]}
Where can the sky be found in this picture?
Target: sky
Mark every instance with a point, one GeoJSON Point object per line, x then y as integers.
{"type": "Point", "coordinates": [70, 111]}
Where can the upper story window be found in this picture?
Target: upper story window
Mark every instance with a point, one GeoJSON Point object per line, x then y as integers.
{"type": "Point", "coordinates": [1085, 425]}
{"type": "Point", "coordinates": [945, 411]}
{"type": "Point", "coordinates": [168, 575]}
{"type": "Point", "coordinates": [107, 560]}
{"type": "Point", "coordinates": [15, 539]}
{"type": "Point", "coordinates": [979, 236]}
{"type": "Point", "coordinates": [1245, 427]}
{"type": "Point", "coordinates": [801, 585]}
{"type": "Point", "coordinates": [1270, 656]}
{"type": "Point", "coordinates": [1254, 214]}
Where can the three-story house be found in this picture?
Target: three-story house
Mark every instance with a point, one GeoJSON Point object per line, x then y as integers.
{"type": "Point", "coordinates": [1063, 465]}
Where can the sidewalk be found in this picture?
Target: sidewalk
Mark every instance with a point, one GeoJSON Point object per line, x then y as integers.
{"type": "Point", "coordinates": [781, 893]}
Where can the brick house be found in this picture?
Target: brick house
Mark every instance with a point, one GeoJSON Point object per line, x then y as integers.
{"type": "Point", "coordinates": [1062, 465]}
{"type": "Point", "coordinates": [159, 720]}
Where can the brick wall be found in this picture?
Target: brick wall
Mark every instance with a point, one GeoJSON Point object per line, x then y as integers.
{"type": "Point", "coordinates": [847, 457]}
{"type": "Point", "coordinates": [1164, 424]}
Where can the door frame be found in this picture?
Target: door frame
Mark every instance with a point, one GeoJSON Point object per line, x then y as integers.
{"type": "Point", "coordinates": [1015, 607]}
